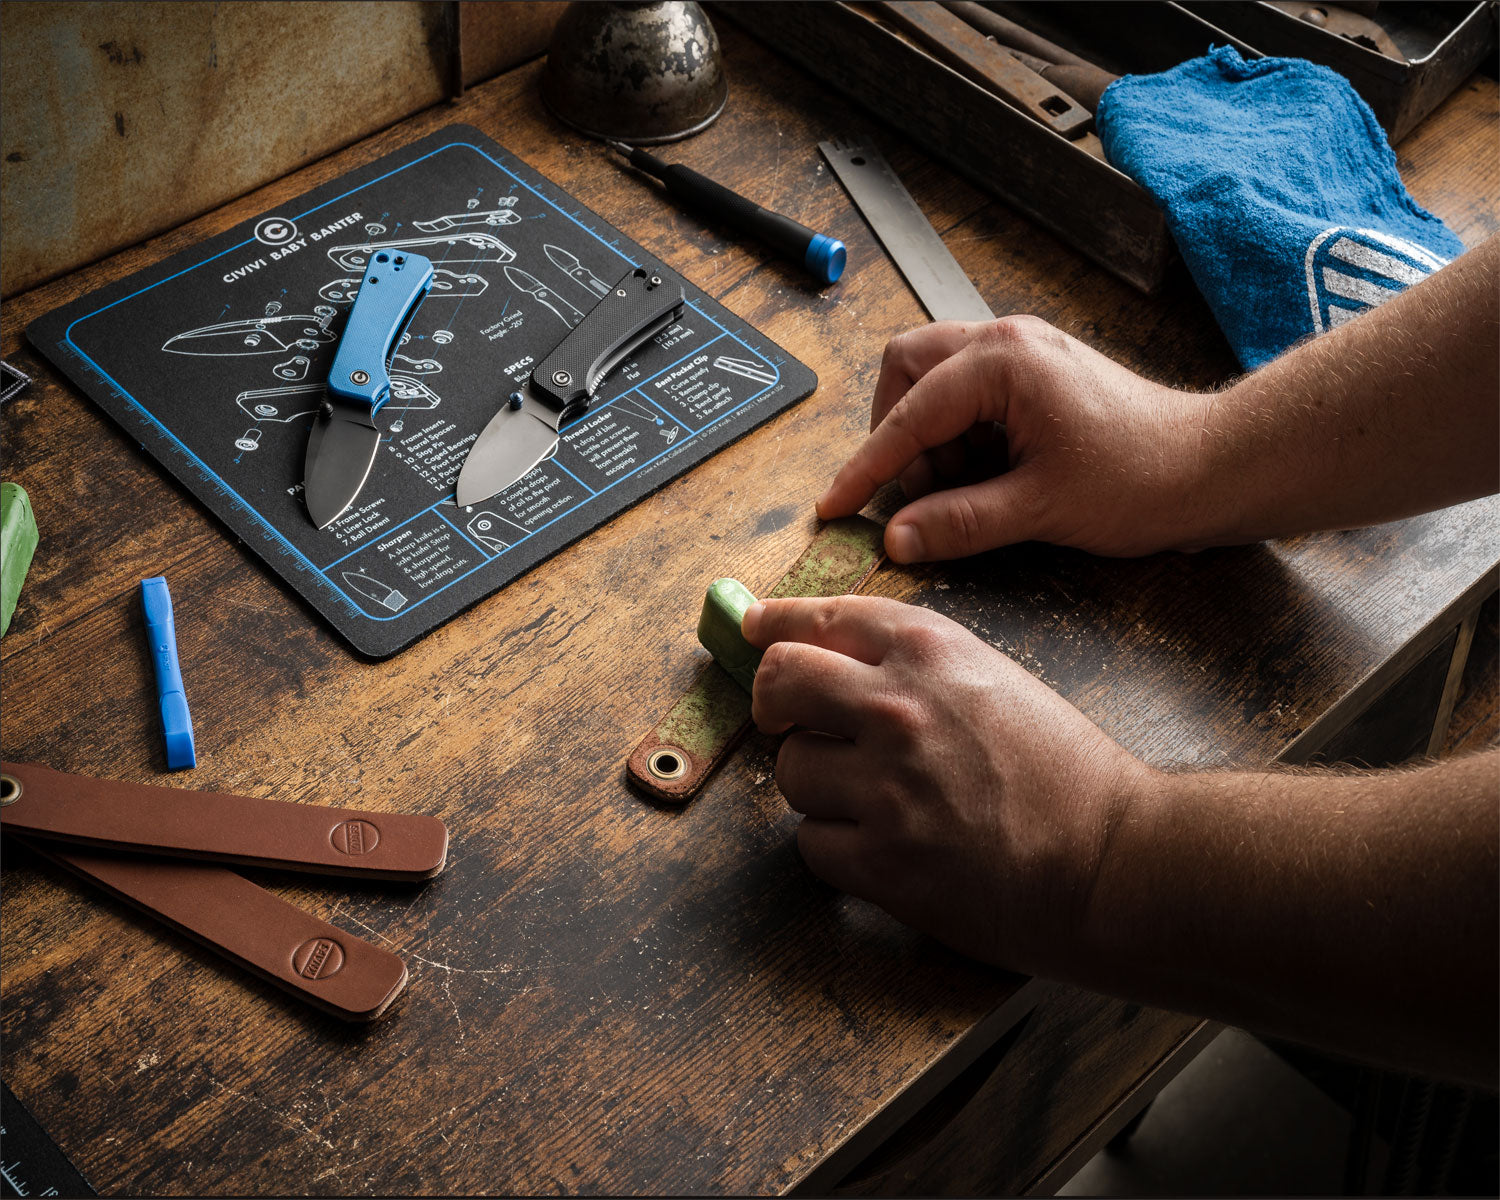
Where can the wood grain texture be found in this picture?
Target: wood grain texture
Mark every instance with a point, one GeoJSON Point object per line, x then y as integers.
{"type": "Point", "coordinates": [121, 122]}
{"type": "Point", "coordinates": [497, 37]}
{"type": "Point", "coordinates": [998, 1133]}
{"type": "Point", "coordinates": [1475, 724]}
{"type": "Point", "coordinates": [1066, 188]}
{"type": "Point", "coordinates": [606, 996]}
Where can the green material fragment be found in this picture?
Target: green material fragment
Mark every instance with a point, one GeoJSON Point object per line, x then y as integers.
{"type": "Point", "coordinates": [18, 539]}
{"type": "Point", "coordinates": [17, 545]}
{"type": "Point", "coordinates": [719, 630]}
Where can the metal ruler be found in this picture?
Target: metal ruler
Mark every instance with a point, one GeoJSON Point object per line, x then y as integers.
{"type": "Point", "coordinates": [907, 235]}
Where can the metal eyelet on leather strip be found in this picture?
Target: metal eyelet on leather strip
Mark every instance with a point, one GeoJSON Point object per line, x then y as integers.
{"type": "Point", "coordinates": [10, 789]}
{"type": "Point", "coordinates": [667, 762]}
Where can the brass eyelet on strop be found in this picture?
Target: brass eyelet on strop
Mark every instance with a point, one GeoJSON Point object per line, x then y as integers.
{"type": "Point", "coordinates": [667, 762]}
{"type": "Point", "coordinates": [10, 789]}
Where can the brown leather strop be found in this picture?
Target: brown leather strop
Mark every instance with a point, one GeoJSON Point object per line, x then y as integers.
{"type": "Point", "coordinates": [674, 760]}
{"type": "Point", "coordinates": [333, 970]}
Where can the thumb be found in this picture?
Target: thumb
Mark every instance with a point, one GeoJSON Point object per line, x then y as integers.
{"type": "Point", "coordinates": [965, 520]}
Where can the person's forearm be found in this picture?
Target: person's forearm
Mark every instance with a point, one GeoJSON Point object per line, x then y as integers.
{"type": "Point", "coordinates": [1390, 415]}
{"type": "Point", "coordinates": [1352, 911]}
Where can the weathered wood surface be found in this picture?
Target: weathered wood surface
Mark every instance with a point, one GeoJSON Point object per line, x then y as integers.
{"type": "Point", "coordinates": [977, 133]}
{"type": "Point", "coordinates": [996, 1130]}
{"type": "Point", "coordinates": [606, 996]}
{"type": "Point", "coordinates": [1476, 716]}
{"type": "Point", "coordinates": [97, 98]}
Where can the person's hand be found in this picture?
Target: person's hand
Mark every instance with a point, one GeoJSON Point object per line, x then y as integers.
{"type": "Point", "coordinates": [1099, 458]}
{"type": "Point", "coordinates": [938, 778]}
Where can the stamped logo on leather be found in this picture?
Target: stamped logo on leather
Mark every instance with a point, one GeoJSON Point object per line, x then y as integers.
{"type": "Point", "coordinates": [355, 837]}
{"type": "Point", "coordinates": [318, 958]}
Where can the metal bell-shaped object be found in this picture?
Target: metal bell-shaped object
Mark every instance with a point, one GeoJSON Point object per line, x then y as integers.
{"type": "Point", "coordinates": [642, 73]}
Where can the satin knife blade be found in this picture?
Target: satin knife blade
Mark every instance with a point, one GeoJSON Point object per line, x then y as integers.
{"type": "Point", "coordinates": [567, 262]}
{"type": "Point", "coordinates": [341, 449]}
{"type": "Point", "coordinates": [563, 384]}
{"type": "Point", "coordinates": [523, 281]}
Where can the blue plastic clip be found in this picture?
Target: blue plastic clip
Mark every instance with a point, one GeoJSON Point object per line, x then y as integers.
{"type": "Point", "coordinates": [176, 722]}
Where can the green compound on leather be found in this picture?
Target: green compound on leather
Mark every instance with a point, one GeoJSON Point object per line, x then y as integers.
{"type": "Point", "coordinates": [675, 759]}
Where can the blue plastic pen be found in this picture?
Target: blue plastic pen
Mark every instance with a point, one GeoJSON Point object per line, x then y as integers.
{"type": "Point", "coordinates": [176, 722]}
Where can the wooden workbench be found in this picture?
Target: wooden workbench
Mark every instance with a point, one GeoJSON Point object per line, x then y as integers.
{"type": "Point", "coordinates": [607, 996]}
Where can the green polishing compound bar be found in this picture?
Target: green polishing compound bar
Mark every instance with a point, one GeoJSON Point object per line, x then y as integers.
{"type": "Point", "coordinates": [719, 630]}
{"type": "Point", "coordinates": [18, 539]}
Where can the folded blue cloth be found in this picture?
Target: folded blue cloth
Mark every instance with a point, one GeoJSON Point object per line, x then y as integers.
{"type": "Point", "coordinates": [1280, 189]}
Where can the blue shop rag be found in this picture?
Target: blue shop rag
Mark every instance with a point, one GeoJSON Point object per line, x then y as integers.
{"type": "Point", "coordinates": [1280, 189]}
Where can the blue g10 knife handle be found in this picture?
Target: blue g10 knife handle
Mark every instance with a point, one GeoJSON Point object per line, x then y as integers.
{"type": "Point", "coordinates": [394, 284]}
{"type": "Point", "coordinates": [640, 305]}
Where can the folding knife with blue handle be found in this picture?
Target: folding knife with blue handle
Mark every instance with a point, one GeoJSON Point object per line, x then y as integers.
{"type": "Point", "coordinates": [561, 388]}
{"type": "Point", "coordinates": [344, 440]}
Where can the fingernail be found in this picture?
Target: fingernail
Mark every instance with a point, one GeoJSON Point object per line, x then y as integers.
{"type": "Point", "coordinates": [750, 622]}
{"type": "Point", "coordinates": [822, 502]}
{"type": "Point", "coordinates": [904, 543]}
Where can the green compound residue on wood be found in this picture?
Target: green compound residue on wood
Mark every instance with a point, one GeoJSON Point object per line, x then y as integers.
{"type": "Point", "coordinates": [708, 715]}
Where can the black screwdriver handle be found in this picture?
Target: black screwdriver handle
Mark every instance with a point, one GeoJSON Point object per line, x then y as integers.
{"type": "Point", "coordinates": [823, 256]}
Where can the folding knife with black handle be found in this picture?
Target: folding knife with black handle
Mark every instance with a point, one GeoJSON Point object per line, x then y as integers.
{"type": "Point", "coordinates": [561, 388]}
{"type": "Point", "coordinates": [344, 440]}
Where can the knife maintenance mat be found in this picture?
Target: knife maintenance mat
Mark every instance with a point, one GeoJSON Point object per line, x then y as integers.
{"type": "Point", "coordinates": [216, 359]}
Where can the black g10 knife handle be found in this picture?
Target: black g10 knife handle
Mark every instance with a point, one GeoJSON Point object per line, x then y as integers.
{"type": "Point", "coordinates": [642, 304]}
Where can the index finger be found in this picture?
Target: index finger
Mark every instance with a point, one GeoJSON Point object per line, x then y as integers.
{"type": "Point", "coordinates": [858, 627]}
{"type": "Point", "coordinates": [948, 401]}
{"type": "Point", "coordinates": [909, 356]}
{"type": "Point", "coordinates": [808, 686]}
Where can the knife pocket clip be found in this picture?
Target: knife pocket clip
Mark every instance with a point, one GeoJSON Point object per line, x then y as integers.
{"type": "Point", "coordinates": [636, 309]}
